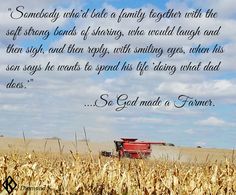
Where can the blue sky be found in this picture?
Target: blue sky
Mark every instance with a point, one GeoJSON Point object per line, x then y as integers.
{"type": "Point", "coordinates": [53, 104]}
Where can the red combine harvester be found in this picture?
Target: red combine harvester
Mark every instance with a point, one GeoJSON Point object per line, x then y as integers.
{"type": "Point", "coordinates": [131, 148]}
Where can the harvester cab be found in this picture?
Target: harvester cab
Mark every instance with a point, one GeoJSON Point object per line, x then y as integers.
{"type": "Point", "coordinates": [119, 145]}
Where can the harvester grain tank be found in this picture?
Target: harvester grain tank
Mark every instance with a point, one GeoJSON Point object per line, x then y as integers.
{"type": "Point", "coordinates": [131, 148]}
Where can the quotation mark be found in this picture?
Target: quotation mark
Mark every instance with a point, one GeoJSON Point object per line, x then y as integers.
{"type": "Point", "coordinates": [30, 80]}
{"type": "Point", "coordinates": [9, 185]}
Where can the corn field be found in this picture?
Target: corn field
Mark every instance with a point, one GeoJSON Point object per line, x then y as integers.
{"type": "Point", "coordinates": [47, 173]}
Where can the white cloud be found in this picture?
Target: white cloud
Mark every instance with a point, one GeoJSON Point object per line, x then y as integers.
{"type": "Point", "coordinates": [212, 121]}
{"type": "Point", "coordinates": [9, 107]}
{"type": "Point", "coordinates": [224, 8]}
{"type": "Point", "coordinates": [4, 94]}
{"type": "Point", "coordinates": [189, 131]}
{"type": "Point", "coordinates": [212, 88]}
{"type": "Point", "coordinates": [216, 122]}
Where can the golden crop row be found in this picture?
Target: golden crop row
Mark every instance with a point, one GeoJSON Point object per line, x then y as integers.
{"type": "Point", "coordinates": [38, 173]}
